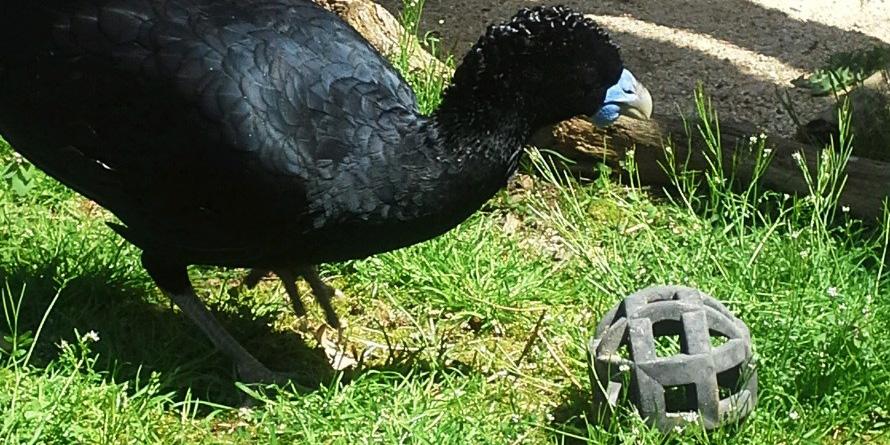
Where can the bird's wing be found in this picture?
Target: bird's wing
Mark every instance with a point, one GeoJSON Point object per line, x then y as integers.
{"type": "Point", "coordinates": [213, 119]}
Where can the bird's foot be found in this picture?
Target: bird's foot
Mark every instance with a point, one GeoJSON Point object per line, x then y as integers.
{"type": "Point", "coordinates": [331, 318]}
{"type": "Point", "coordinates": [323, 293]}
{"type": "Point", "coordinates": [323, 296]}
{"type": "Point", "coordinates": [254, 372]}
{"type": "Point", "coordinates": [321, 290]}
{"type": "Point", "coordinates": [289, 281]}
{"type": "Point", "coordinates": [257, 373]}
{"type": "Point", "coordinates": [254, 277]}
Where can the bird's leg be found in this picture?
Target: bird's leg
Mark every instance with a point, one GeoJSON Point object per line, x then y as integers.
{"type": "Point", "coordinates": [322, 293]}
{"type": "Point", "coordinates": [289, 280]}
{"type": "Point", "coordinates": [249, 368]}
{"type": "Point", "coordinates": [174, 281]}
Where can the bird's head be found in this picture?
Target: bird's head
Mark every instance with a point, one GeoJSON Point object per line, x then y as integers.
{"type": "Point", "coordinates": [628, 97]}
{"type": "Point", "coordinates": [545, 65]}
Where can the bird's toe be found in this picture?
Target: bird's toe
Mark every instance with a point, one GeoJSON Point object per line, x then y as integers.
{"type": "Point", "coordinates": [254, 277]}
{"type": "Point", "coordinates": [254, 373]}
{"type": "Point", "coordinates": [332, 319]}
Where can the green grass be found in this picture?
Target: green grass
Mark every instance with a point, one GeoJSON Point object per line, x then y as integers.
{"type": "Point", "coordinates": [474, 337]}
{"type": "Point", "coordinates": [429, 82]}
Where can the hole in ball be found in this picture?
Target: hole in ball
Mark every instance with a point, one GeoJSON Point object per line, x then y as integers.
{"type": "Point", "coordinates": [731, 381]}
{"type": "Point", "coordinates": [718, 339]}
{"type": "Point", "coordinates": [667, 345]}
{"type": "Point", "coordinates": [667, 337]}
{"type": "Point", "coordinates": [680, 398]}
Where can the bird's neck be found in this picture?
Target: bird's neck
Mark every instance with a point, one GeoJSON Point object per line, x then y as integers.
{"type": "Point", "coordinates": [472, 154]}
{"type": "Point", "coordinates": [485, 143]}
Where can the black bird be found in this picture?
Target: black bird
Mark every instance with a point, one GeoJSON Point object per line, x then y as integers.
{"type": "Point", "coordinates": [268, 134]}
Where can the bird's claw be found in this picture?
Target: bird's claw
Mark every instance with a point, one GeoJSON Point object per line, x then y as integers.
{"type": "Point", "coordinates": [254, 277]}
{"type": "Point", "coordinates": [321, 290]}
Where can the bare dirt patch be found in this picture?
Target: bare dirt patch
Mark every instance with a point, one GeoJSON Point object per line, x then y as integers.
{"type": "Point", "coordinates": [741, 50]}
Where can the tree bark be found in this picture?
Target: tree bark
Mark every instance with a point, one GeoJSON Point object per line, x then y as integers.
{"type": "Point", "coordinates": [868, 182]}
{"type": "Point", "coordinates": [383, 30]}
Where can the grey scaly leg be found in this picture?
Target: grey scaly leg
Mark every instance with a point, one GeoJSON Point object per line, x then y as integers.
{"type": "Point", "coordinates": [174, 281]}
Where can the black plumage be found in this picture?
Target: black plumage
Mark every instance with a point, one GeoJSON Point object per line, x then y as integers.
{"type": "Point", "coordinates": [269, 134]}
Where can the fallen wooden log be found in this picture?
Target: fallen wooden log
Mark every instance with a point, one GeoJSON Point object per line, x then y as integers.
{"type": "Point", "coordinates": [868, 183]}
{"type": "Point", "coordinates": [870, 103]}
{"type": "Point", "coordinates": [383, 30]}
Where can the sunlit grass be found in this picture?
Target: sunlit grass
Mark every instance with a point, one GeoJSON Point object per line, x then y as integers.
{"type": "Point", "coordinates": [474, 337]}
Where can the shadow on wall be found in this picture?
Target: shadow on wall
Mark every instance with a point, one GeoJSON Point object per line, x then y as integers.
{"type": "Point", "coordinates": [739, 50]}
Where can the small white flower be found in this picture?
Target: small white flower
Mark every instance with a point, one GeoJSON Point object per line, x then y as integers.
{"type": "Point", "coordinates": [630, 153]}
{"type": "Point", "coordinates": [91, 336]}
{"type": "Point", "coordinates": [63, 344]}
{"type": "Point", "coordinates": [762, 136]}
{"type": "Point", "coordinates": [690, 417]}
{"type": "Point", "coordinates": [245, 412]}
{"type": "Point", "coordinates": [441, 21]}
{"type": "Point", "coordinates": [797, 156]}
{"type": "Point", "coordinates": [678, 429]}
{"type": "Point", "coordinates": [623, 368]}
{"type": "Point", "coordinates": [752, 140]}
{"type": "Point", "coordinates": [845, 209]}
{"type": "Point", "coordinates": [793, 415]}
{"type": "Point", "coordinates": [832, 292]}
{"type": "Point", "coordinates": [668, 149]}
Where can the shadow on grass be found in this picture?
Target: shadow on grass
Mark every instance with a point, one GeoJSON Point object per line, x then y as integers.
{"type": "Point", "coordinates": [572, 416]}
{"type": "Point", "coordinates": [140, 333]}
{"type": "Point", "coordinates": [140, 336]}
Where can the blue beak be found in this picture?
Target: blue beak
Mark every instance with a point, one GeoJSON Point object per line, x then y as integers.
{"type": "Point", "coordinates": [628, 98]}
